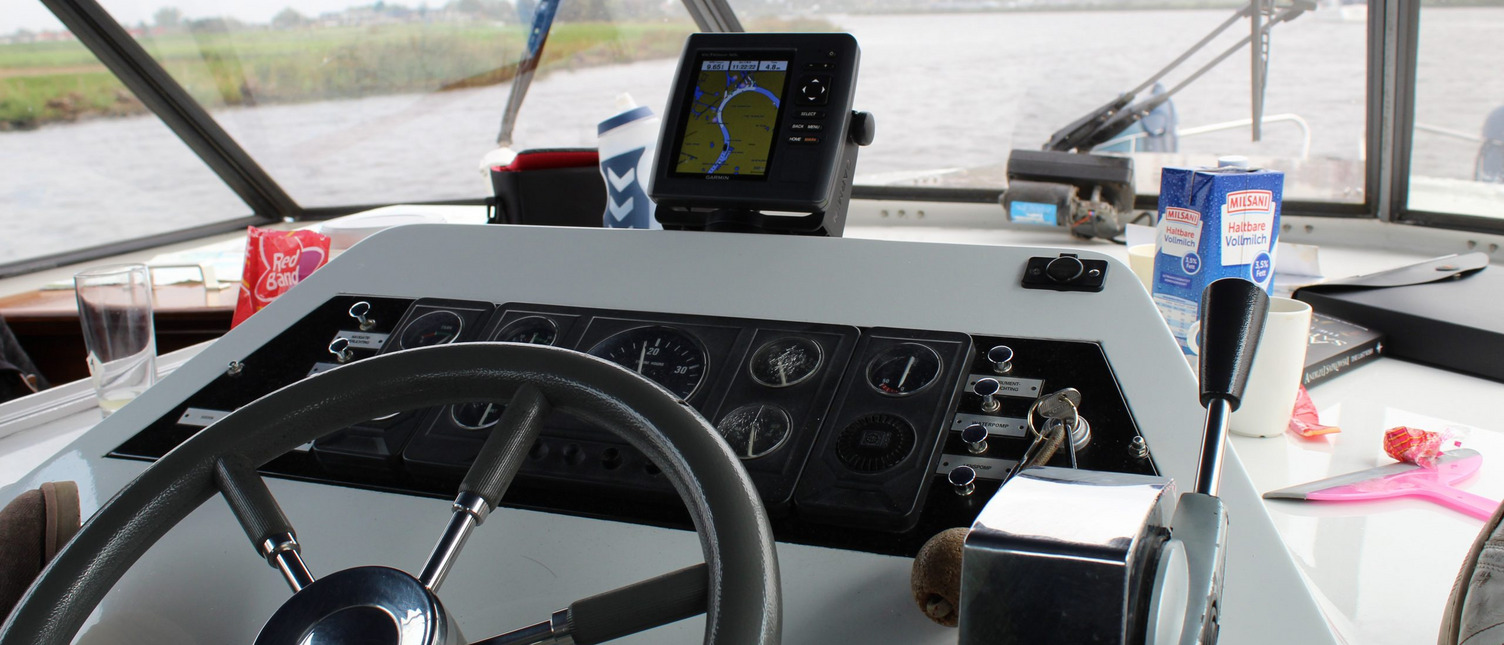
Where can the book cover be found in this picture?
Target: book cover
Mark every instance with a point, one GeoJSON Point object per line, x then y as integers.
{"type": "Point", "coordinates": [1337, 346]}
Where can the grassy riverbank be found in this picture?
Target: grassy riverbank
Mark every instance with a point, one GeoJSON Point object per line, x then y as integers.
{"type": "Point", "coordinates": [49, 82]}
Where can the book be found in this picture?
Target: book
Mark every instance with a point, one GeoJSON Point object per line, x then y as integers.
{"type": "Point", "coordinates": [1337, 346]}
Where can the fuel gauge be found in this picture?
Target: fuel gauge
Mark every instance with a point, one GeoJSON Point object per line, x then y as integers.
{"type": "Point", "coordinates": [755, 430]}
{"type": "Point", "coordinates": [786, 361]}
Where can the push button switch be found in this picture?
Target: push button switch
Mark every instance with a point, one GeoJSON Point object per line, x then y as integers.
{"type": "Point", "coordinates": [814, 90]}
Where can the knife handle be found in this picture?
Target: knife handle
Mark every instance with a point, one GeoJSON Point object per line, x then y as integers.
{"type": "Point", "coordinates": [1454, 498]}
{"type": "Point", "coordinates": [1460, 500]}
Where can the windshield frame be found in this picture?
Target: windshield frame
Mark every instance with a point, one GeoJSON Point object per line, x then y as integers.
{"type": "Point", "coordinates": [1393, 29]}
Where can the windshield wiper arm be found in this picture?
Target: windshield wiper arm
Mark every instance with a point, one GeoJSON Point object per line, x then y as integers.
{"type": "Point", "coordinates": [1110, 120]}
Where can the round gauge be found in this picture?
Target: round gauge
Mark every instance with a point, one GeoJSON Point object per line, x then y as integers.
{"type": "Point", "coordinates": [664, 355]}
{"type": "Point", "coordinates": [875, 443]}
{"type": "Point", "coordinates": [432, 328]}
{"type": "Point", "coordinates": [532, 330]}
{"type": "Point", "coordinates": [755, 430]}
{"type": "Point", "coordinates": [476, 416]}
{"type": "Point", "coordinates": [786, 361]}
{"type": "Point", "coordinates": [904, 369]}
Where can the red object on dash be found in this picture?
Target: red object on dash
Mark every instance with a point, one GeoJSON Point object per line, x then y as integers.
{"type": "Point", "coordinates": [1306, 422]}
{"type": "Point", "coordinates": [274, 262]}
{"type": "Point", "coordinates": [1413, 445]}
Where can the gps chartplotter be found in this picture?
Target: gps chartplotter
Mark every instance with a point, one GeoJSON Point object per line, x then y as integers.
{"type": "Point", "coordinates": [761, 122]}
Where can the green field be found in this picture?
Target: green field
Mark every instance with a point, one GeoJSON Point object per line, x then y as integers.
{"type": "Point", "coordinates": [48, 82]}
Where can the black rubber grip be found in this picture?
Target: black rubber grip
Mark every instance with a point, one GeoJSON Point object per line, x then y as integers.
{"type": "Point", "coordinates": [1232, 320]}
{"type": "Point", "coordinates": [502, 455]}
{"type": "Point", "coordinates": [641, 606]}
{"type": "Point", "coordinates": [246, 493]}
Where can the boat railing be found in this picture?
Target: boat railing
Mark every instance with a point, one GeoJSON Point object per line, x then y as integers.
{"type": "Point", "coordinates": [1305, 131]}
{"type": "Point", "coordinates": [1448, 132]}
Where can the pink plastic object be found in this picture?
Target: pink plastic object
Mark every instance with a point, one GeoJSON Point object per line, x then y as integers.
{"type": "Point", "coordinates": [1434, 484]}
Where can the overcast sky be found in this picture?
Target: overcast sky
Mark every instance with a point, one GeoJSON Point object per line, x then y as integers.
{"type": "Point", "coordinates": [30, 14]}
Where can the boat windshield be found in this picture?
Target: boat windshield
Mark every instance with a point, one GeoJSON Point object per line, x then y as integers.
{"type": "Point", "coordinates": [341, 104]}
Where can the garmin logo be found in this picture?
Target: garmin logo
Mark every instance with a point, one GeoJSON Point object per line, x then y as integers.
{"type": "Point", "coordinates": [718, 177]}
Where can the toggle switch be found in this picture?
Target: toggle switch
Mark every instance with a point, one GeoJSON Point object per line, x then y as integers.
{"type": "Point", "coordinates": [964, 478]}
{"type": "Point", "coordinates": [341, 350]}
{"type": "Point", "coordinates": [986, 388]}
{"type": "Point", "coordinates": [975, 436]}
{"type": "Point", "coordinates": [1001, 357]}
{"type": "Point", "coordinates": [361, 312]}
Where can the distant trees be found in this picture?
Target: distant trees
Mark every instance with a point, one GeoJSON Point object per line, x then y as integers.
{"type": "Point", "coordinates": [499, 10]}
{"type": "Point", "coordinates": [288, 18]}
{"type": "Point", "coordinates": [168, 18]}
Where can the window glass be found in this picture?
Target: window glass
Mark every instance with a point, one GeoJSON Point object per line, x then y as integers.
{"type": "Point", "coordinates": [1457, 157]}
{"type": "Point", "coordinates": [954, 92]}
{"type": "Point", "coordinates": [346, 102]}
{"type": "Point", "coordinates": [82, 162]}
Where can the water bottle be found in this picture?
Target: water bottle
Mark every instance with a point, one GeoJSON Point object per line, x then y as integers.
{"type": "Point", "coordinates": [628, 142]}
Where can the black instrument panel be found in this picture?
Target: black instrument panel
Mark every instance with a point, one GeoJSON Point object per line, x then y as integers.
{"type": "Point", "coordinates": [847, 432]}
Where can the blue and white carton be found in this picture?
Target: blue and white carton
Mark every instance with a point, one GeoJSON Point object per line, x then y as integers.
{"type": "Point", "coordinates": [1214, 223]}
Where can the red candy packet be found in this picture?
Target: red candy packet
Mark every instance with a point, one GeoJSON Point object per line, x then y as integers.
{"type": "Point", "coordinates": [1305, 421]}
{"type": "Point", "coordinates": [1416, 446]}
{"type": "Point", "coordinates": [274, 262]}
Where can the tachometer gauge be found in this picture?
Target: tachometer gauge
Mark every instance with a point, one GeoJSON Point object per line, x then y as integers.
{"type": "Point", "coordinates": [433, 328]}
{"type": "Point", "coordinates": [904, 370]}
{"type": "Point", "coordinates": [532, 330]}
{"type": "Point", "coordinates": [755, 430]}
{"type": "Point", "coordinates": [785, 362]}
{"type": "Point", "coordinates": [664, 355]}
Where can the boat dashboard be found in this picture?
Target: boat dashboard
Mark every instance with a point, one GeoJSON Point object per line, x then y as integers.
{"type": "Point", "coordinates": [842, 373]}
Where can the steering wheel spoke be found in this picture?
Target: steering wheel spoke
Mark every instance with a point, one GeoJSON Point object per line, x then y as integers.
{"type": "Point", "coordinates": [262, 519]}
{"type": "Point", "coordinates": [637, 607]}
{"type": "Point", "coordinates": [495, 466]}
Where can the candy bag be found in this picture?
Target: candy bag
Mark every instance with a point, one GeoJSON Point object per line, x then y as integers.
{"type": "Point", "coordinates": [1416, 446]}
{"type": "Point", "coordinates": [274, 262]}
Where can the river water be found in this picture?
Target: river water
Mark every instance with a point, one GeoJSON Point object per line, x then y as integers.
{"type": "Point", "coordinates": [948, 91]}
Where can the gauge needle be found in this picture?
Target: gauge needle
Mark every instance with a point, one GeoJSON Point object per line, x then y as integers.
{"type": "Point", "coordinates": [906, 369]}
{"type": "Point", "coordinates": [783, 376]}
{"type": "Point", "coordinates": [642, 357]}
{"type": "Point", "coordinates": [752, 434]}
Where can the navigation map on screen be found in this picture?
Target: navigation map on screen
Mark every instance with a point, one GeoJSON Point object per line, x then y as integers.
{"type": "Point", "coordinates": [732, 118]}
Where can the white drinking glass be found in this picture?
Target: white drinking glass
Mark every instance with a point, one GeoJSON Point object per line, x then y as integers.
{"type": "Point", "coordinates": [114, 307]}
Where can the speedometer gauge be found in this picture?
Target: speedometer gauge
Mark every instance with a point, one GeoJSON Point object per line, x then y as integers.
{"type": "Point", "coordinates": [664, 355]}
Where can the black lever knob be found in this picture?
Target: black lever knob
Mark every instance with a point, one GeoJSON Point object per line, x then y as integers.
{"type": "Point", "coordinates": [863, 127]}
{"type": "Point", "coordinates": [1232, 320]}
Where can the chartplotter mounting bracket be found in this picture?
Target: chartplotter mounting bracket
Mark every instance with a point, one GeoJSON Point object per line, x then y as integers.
{"type": "Point", "coordinates": [759, 134]}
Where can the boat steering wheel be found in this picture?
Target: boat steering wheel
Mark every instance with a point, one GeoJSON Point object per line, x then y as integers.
{"type": "Point", "coordinates": [743, 592]}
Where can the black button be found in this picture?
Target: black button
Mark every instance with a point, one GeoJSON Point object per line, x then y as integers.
{"type": "Point", "coordinates": [811, 114]}
{"type": "Point", "coordinates": [797, 126]}
{"type": "Point", "coordinates": [819, 67]}
{"type": "Point", "coordinates": [812, 127]}
{"type": "Point", "coordinates": [1064, 269]}
{"type": "Point", "coordinates": [795, 139]}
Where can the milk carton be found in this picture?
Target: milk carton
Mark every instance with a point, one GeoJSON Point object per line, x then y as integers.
{"type": "Point", "coordinates": [1213, 223]}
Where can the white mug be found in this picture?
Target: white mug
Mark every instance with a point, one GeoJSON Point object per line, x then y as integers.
{"type": "Point", "coordinates": [1274, 380]}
